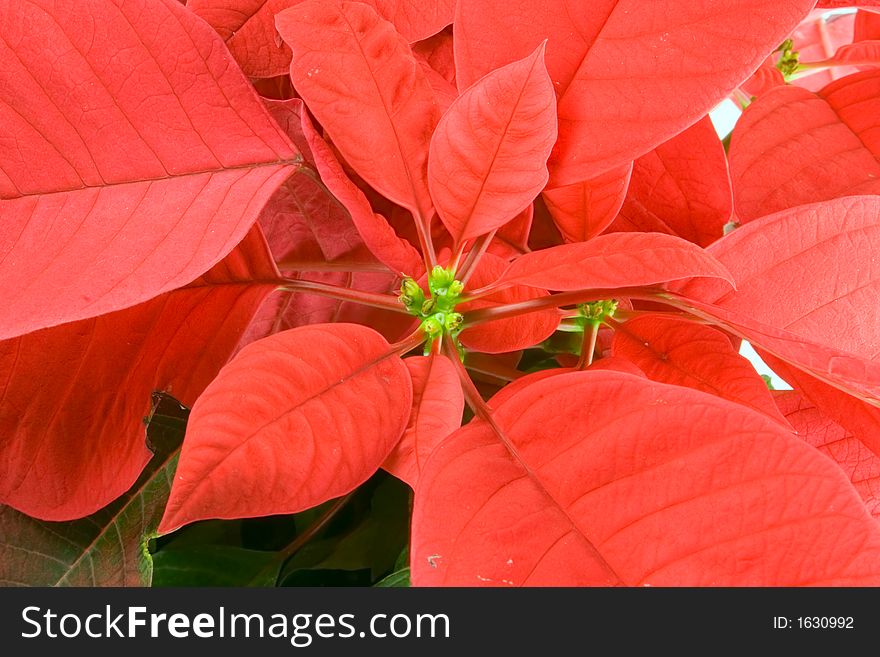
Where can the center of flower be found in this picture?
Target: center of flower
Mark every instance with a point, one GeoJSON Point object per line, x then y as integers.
{"type": "Point", "coordinates": [437, 309]}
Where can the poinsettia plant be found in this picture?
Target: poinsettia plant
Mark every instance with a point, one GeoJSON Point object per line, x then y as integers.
{"type": "Point", "coordinates": [496, 249]}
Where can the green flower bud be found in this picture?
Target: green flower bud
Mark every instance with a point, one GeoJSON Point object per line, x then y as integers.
{"type": "Point", "coordinates": [453, 321]}
{"type": "Point", "coordinates": [432, 328]}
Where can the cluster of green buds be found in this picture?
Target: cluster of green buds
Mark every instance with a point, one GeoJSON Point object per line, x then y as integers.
{"type": "Point", "coordinates": [595, 312]}
{"type": "Point", "coordinates": [436, 310]}
{"type": "Point", "coordinates": [788, 61]}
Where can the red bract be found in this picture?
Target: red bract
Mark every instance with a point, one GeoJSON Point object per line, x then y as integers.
{"type": "Point", "coordinates": [329, 278]}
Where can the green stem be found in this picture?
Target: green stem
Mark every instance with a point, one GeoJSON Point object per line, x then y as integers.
{"type": "Point", "coordinates": [300, 541]}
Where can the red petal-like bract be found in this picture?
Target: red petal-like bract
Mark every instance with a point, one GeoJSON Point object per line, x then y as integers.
{"type": "Point", "coordinates": [611, 261]}
{"type": "Point", "coordinates": [415, 19]}
{"type": "Point", "coordinates": [629, 74]}
{"type": "Point", "coordinates": [684, 353]}
{"type": "Point", "coordinates": [248, 28]}
{"type": "Point", "coordinates": [72, 439]}
{"type": "Point", "coordinates": [793, 146]}
{"type": "Point", "coordinates": [821, 281]}
{"type": "Point", "coordinates": [506, 334]}
{"type": "Point", "coordinates": [131, 173]}
{"type": "Point", "coordinates": [292, 421]}
{"type": "Point", "coordinates": [859, 463]}
{"type": "Point", "coordinates": [681, 188]}
{"type": "Point", "coordinates": [819, 278]}
{"type": "Point", "coordinates": [584, 209]}
{"type": "Point", "coordinates": [438, 402]}
{"type": "Point", "coordinates": [488, 156]}
{"type": "Point", "coordinates": [361, 80]}
{"type": "Point", "coordinates": [841, 4]}
{"type": "Point", "coordinates": [635, 483]}
{"type": "Point", "coordinates": [375, 231]}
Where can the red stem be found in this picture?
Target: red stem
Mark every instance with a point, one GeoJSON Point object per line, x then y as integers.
{"type": "Point", "coordinates": [483, 315]}
{"type": "Point", "coordinates": [302, 265]}
{"type": "Point", "coordinates": [473, 258]}
{"type": "Point", "coordinates": [383, 301]}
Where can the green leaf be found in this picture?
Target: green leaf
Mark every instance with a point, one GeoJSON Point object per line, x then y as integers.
{"type": "Point", "coordinates": [372, 544]}
{"type": "Point", "coordinates": [397, 579]}
{"type": "Point", "coordinates": [108, 548]}
{"type": "Point", "coordinates": [215, 565]}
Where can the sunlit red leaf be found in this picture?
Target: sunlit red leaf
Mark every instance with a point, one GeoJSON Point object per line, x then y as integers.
{"type": "Point", "coordinates": [793, 146]}
{"type": "Point", "coordinates": [73, 437]}
{"type": "Point", "coordinates": [628, 76]}
{"type": "Point", "coordinates": [293, 420]}
{"type": "Point", "coordinates": [684, 353]}
{"type": "Point", "coordinates": [488, 155]}
{"type": "Point", "coordinates": [437, 405]}
{"type": "Point", "coordinates": [681, 188]}
{"type": "Point", "coordinates": [117, 186]}
{"type": "Point", "coordinates": [859, 463]}
{"type": "Point", "coordinates": [582, 210]}
{"type": "Point", "coordinates": [616, 260]}
{"type": "Point", "coordinates": [820, 279]}
{"type": "Point", "coordinates": [635, 483]}
{"type": "Point", "coordinates": [362, 82]}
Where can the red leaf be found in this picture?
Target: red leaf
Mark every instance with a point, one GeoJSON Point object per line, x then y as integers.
{"type": "Point", "coordinates": [514, 387]}
{"type": "Point", "coordinates": [681, 188]}
{"type": "Point", "coordinates": [860, 419]}
{"type": "Point", "coordinates": [285, 310]}
{"type": "Point", "coordinates": [793, 146]}
{"type": "Point", "coordinates": [248, 28]}
{"type": "Point", "coordinates": [361, 80]}
{"type": "Point", "coordinates": [683, 353]}
{"type": "Point", "coordinates": [437, 52]}
{"type": "Point", "coordinates": [611, 261]}
{"type": "Point", "coordinates": [766, 78]}
{"type": "Point", "coordinates": [820, 280]}
{"type": "Point", "coordinates": [416, 19]}
{"type": "Point", "coordinates": [438, 402]}
{"type": "Point", "coordinates": [866, 26]}
{"type": "Point", "coordinates": [635, 483]}
{"type": "Point", "coordinates": [378, 235]}
{"type": "Point", "coordinates": [840, 4]}
{"type": "Point", "coordinates": [489, 153]}
{"type": "Point", "coordinates": [628, 76]}
{"type": "Point", "coordinates": [73, 396]}
{"type": "Point", "coordinates": [118, 186]}
{"type": "Point", "coordinates": [293, 420]}
{"type": "Point", "coordinates": [505, 334]}
{"type": "Point", "coordinates": [863, 53]}
{"type": "Point", "coordinates": [514, 235]}
{"type": "Point", "coordinates": [857, 461]}
{"type": "Point", "coordinates": [584, 209]}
